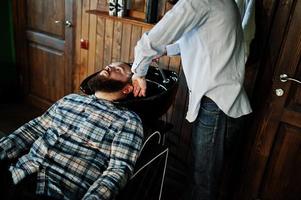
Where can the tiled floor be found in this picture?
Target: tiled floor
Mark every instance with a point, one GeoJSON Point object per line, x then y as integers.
{"type": "Point", "coordinates": [14, 115]}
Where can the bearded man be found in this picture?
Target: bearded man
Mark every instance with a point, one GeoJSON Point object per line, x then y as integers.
{"type": "Point", "coordinates": [82, 147]}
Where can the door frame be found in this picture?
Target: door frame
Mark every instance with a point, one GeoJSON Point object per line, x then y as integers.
{"type": "Point", "coordinates": [19, 24]}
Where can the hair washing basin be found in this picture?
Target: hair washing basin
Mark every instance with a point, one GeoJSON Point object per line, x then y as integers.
{"type": "Point", "coordinates": [160, 94]}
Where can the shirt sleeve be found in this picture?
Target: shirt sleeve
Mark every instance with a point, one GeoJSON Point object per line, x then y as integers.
{"type": "Point", "coordinates": [182, 18]}
{"type": "Point", "coordinates": [125, 149]}
{"type": "Point", "coordinates": [248, 25]}
{"type": "Point", "coordinates": [173, 49]}
{"type": "Point", "coordinates": [18, 142]}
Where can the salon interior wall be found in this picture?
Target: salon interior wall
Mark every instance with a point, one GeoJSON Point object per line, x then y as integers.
{"type": "Point", "coordinates": [8, 74]}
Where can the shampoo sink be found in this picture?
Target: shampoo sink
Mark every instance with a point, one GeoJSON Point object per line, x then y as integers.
{"type": "Point", "coordinates": [161, 92]}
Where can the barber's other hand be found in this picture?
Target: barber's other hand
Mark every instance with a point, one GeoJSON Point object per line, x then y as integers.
{"type": "Point", "coordinates": [139, 84]}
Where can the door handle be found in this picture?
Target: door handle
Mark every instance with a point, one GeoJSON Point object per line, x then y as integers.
{"type": "Point", "coordinates": [68, 23]}
{"type": "Point", "coordinates": [285, 77]}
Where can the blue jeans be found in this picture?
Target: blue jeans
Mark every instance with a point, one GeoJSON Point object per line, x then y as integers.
{"type": "Point", "coordinates": [213, 135]}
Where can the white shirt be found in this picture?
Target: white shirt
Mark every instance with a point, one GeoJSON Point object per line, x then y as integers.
{"type": "Point", "coordinates": [247, 13]}
{"type": "Point", "coordinates": [210, 40]}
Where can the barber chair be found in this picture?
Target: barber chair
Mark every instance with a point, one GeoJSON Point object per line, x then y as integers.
{"type": "Point", "coordinates": [147, 180]}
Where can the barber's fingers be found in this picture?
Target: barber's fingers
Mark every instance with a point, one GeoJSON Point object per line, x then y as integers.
{"type": "Point", "coordinates": [139, 91]}
{"type": "Point", "coordinates": [136, 89]}
{"type": "Point", "coordinates": [142, 92]}
{"type": "Point", "coordinates": [139, 84]}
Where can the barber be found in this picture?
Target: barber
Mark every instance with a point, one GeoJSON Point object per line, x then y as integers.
{"type": "Point", "coordinates": [208, 36]}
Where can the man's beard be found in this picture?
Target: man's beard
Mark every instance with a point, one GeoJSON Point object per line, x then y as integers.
{"type": "Point", "coordinates": [103, 84]}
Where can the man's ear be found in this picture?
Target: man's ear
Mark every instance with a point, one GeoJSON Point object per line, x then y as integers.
{"type": "Point", "coordinates": [127, 89]}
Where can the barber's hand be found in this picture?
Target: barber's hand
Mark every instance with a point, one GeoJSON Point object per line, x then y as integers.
{"type": "Point", "coordinates": [139, 84]}
{"type": "Point", "coordinates": [157, 58]}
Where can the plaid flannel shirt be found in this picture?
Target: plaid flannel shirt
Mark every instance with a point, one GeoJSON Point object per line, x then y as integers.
{"type": "Point", "coordinates": [82, 147]}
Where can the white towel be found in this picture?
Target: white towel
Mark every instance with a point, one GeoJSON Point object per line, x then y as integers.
{"type": "Point", "coordinates": [247, 12]}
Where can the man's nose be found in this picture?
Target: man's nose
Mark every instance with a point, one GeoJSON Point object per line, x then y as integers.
{"type": "Point", "coordinates": [108, 68]}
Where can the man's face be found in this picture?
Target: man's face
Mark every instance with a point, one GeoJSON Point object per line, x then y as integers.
{"type": "Point", "coordinates": [112, 78]}
{"type": "Point", "coordinates": [117, 71]}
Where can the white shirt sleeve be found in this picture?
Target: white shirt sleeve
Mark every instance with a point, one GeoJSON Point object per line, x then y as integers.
{"type": "Point", "coordinates": [247, 12]}
{"type": "Point", "coordinates": [248, 24]}
{"type": "Point", "coordinates": [182, 18]}
{"type": "Point", "coordinates": [173, 49]}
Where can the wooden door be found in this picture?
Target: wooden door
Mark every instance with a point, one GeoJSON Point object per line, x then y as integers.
{"type": "Point", "coordinates": [48, 30]}
{"type": "Point", "coordinates": [273, 169]}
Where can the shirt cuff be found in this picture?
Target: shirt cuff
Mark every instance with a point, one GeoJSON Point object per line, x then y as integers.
{"type": "Point", "coordinates": [144, 54]}
{"type": "Point", "coordinates": [173, 49]}
{"type": "Point", "coordinates": [140, 66]}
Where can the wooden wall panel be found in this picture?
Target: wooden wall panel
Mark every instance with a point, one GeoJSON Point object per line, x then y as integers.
{"type": "Point", "coordinates": [136, 35]}
{"type": "Point", "coordinates": [126, 41]}
{"type": "Point", "coordinates": [109, 28]}
{"type": "Point", "coordinates": [84, 35]}
{"type": "Point", "coordinates": [100, 32]}
{"type": "Point", "coordinates": [116, 51]}
{"type": "Point", "coordinates": [77, 51]}
{"type": "Point", "coordinates": [179, 107]}
{"type": "Point", "coordinates": [175, 63]}
{"type": "Point", "coordinates": [92, 38]}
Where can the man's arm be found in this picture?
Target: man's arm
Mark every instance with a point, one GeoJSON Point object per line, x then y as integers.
{"type": "Point", "coordinates": [125, 149]}
{"type": "Point", "coordinates": [182, 18]}
{"type": "Point", "coordinates": [21, 139]}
